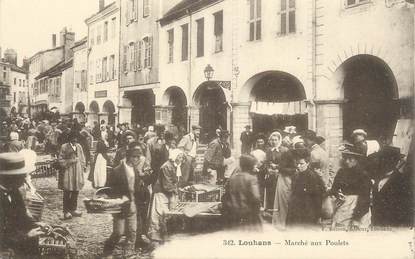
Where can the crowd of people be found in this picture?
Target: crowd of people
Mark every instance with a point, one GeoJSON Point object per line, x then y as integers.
{"type": "Point", "coordinates": [297, 185]}
{"type": "Point", "coordinates": [286, 177]}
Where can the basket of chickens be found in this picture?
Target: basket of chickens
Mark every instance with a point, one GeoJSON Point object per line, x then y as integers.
{"type": "Point", "coordinates": [102, 202]}
{"type": "Point", "coordinates": [56, 241]}
{"type": "Point", "coordinates": [200, 193]}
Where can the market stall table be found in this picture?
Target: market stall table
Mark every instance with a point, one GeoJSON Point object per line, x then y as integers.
{"type": "Point", "coordinates": [194, 217]}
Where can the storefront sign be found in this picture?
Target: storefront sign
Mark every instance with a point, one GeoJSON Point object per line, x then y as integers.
{"type": "Point", "coordinates": [100, 94]}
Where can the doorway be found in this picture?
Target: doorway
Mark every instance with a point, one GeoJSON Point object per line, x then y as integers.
{"type": "Point", "coordinates": [212, 109]}
{"type": "Point", "coordinates": [370, 93]}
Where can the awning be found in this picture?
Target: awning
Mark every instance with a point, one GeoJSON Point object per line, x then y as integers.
{"type": "Point", "coordinates": [271, 108]}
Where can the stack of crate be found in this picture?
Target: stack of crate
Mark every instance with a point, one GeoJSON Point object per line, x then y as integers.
{"type": "Point", "coordinates": [200, 157]}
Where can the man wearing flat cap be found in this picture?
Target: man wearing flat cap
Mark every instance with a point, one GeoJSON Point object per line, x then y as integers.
{"type": "Point", "coordinates": [18, 230]}
{"type": "Point", "coordinates": [189, 144]}
{"type": "Point", "coordinates": [215, 155]}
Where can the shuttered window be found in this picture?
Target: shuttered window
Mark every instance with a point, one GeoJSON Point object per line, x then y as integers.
{"type": "Point", "coordinates": [148, 51]}
{"type": "Point", "coordinates": [200, 43]}
{"type": "Point", "coordinates": [185, 41]}
{"type": "Point", "coordinates": [218, 31]}
{"type": "Point", "coordinates": [170, 42]}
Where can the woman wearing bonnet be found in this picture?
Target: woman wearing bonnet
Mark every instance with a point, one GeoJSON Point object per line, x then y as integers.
{"type": "Point", "coordinates": [280, 167]}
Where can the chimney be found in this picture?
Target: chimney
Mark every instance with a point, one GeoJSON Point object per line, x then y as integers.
{"type": "Point", "coordinates": [101, 5]}
{"type": "Point", "coordinates": [68, 41]}
{"type": "Point", "coordinates": [62, 36]}
{"type": "Point", "coordinates": [53, 41]}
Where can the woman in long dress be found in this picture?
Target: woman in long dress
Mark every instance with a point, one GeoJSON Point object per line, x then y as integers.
{"type": "Point", "coordinates": [278, 181]}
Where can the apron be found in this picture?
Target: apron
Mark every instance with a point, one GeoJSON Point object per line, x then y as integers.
{"type": "Point", "coordinates": [343, 214]}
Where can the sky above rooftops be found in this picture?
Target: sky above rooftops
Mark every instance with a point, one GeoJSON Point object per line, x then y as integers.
{"type": "Point", "coordinates": [27, 25]}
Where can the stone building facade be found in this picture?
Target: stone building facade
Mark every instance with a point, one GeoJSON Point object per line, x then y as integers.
{"type": "Point", "coordinates": [139, 60]}
{"type": "Point", "coordinates": [103, 64]}
{"type": "Point", "coordinates": [305, 63]}
{"type": "Point", "coordinates": [80, 86]}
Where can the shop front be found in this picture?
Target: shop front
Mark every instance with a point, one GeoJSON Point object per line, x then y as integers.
{"type": "Point", "coordinates": [270, 101]}
{"type": "Point", "coordinates": [211, 106]}
{"type": "Point", "coordinates": [137, 107]}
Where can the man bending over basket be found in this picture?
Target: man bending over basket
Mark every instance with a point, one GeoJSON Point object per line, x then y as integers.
{"type": "Point", "coordinates": [122, 183]}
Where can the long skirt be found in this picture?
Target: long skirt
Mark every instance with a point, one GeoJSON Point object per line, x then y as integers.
{"type": "Point", "coordinates": [343, 213]}
{"type": "Point", "coordinates": [282, 196]}
{"type": "Point", "coordinates": [159, 206]}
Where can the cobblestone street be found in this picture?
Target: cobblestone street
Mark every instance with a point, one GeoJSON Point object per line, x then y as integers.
{"type": "Point", "coordinates": [90, 230]}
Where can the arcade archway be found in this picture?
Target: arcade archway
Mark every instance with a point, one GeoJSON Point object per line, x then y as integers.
{"type": "Point", "coordinates": [370, 94]}
{"type": "Point", "coordinates": [80, 107]}
{"type": "Point", "coordinates": [109, 109]}
{"type": "Point", "coordinates": [142, 102]}
{"type": "Point", "coordinates": [212, 103]}
{"type": "Point", "coordinates": [175, 98]}
{"type": "Point", "coordinates": [93, 112]}
{"type": "Point", "coordinates": [276, 101]}
{"type": "Point", "coordinates": [79, 112]}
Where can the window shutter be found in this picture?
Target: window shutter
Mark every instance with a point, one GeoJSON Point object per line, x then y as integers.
{"type": "Point", "coordinates": [150, 51]}
{"type": "Point", "coordinates": [135, 56]}
{"type": "Point", "coordinates": [127, 13]}
{"type": "Point", "coordinates": [136, 10]}
{"type": "Point", "coordinates": [124, 61]}
{"type": "Point", "coordinates": [218, 29]}
{"type": "Point", "coordinates": [146, 8]}
{"type": "Point", "coordinates": [108, 68]}
{"type": "Point", "coordinates": [140, 43]}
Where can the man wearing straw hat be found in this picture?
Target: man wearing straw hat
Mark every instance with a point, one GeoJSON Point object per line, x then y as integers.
{"type": "Point", "coordinates": [18, 231]}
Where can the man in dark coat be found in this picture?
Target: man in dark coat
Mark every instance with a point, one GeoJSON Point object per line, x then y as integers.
{"type": "Point", "coordinates": [123, 183]}
{"type": "Point", "coordinates": [246, 140]}
{"type": "Point", "coordinates": [157, 153]}
{"type": "Point", "coordinates": [242, 201]}
{"type": "Point", "coordinates": [18, 230]}
{"type": "Point", "coordinates": [307, 193]}
{"type": "Point", "coordinates": [215, 154]}
{"type": "Point", "coordinates": [127, 138]}
{"type": "Point", "coordinates": [393, 204]}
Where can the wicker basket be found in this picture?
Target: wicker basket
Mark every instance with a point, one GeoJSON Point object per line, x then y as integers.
{"type": "Point", "coordinates": [52, 246]}
{"type": "Point", "coordinates": [99, 205]}
{"type": "Point", "coordinates": [35, 205]}
{"type": "Point", "coordinates": [44, 169]}
{"type": "Point", "coordinates": [57, 246]}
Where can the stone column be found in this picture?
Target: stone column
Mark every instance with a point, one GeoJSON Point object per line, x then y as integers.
{"type": "Point", "coordinates": [330, 125]}
{"type": "Point", "coordinates": [163, 114]}
{"type": "Point", "coordinates": [193, 112]}
{"type": "Point", "coordinates": [92, 116]}
{"type": "Point", "coordinates": [241, 118]}
{"type": "Point", "coordinates": [124, 114]}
